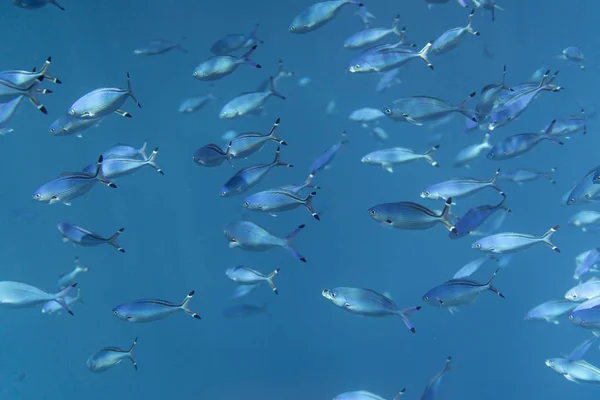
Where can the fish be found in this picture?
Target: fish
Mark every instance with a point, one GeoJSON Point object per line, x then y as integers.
{"type": "Point", "coordinates": [325, 159]}
{"type": "Point", "coordinates": [550, 311]}
{"type": "Point", "coordinates": [432, 388]}
{"type": "Point", "coordinates": [450, 39]}
{"type": "Point", "coordinates": [468, 223]}
{"type": "Point", "coordinates": [510, 242]}
{"type": "Point", "coordinates": [7, 112]}
{"type": "Point", "coordinates": [67, 278]}
{"type": "Point", "coordinates": [281, 73]}
{"type": "Point", "coordinates": [584, 290]}
{"type": "Point", "coordinates": [149, 310]}
{"type": "Point", "coordinates": [246, 276]}
{"type": "Point", "coordinates": [25, 79]}
{"type": "Point", "coordinates": [591, 259]}
{"type": "Point", "coordinates": [218, 67]}
{"type": "Point", "coordinates": [574, 55]}
{"type": "Point", "coordinates": [364, 395]}
{"type": "Point", "coordinates": [459, 187]}
{"type": "Point", "coordinates": [244, 310]}
{"type": "Point", "coordinates": [473, 266]}
{"type": "Point", "coordinates": [379, 60]}
{"type": "Point", "coordinates": [398, 155]}
{"type": "Point", "coordinates": [210, 156]}
{"type": "Point", "coordinates": [275, 200]}
{"type": "Point", "coordinates": [568, 125]}
{"type": "Point", "coordinates": [247, 103]}
{"type": "Point", "coordinates": [158, 46]}
{"type": "Point", "coordinates": [102, 102]}
{"type": "Point", "coordinates": [419, 109]}
{"type": "Point", "coordinates": [193, 104]}
{"type": "Point", "coordinates": [67, 125]}
{"type": "Point", "coordinates": [83, 237]}
{"type": "Point", "coordinates": [588, 318]}
{"type": "Point", "coordinates": [10, 91]}
{"type": "Point", "coordinates": [582, 219]}
{"type": "Point", "coordinates": [108, 357]}
{"type": "Point", "coordinates": [235, 41]}
{"type": "Point", "coordinates": [22, 295]}
{"type": "Point", "coordinates": [365, 115]}
{"type": "Point", "coordinates": [52, 307]}
{"type": "Point", "coordinates": [246, 144]}
{"type": "Point", "coordinates": [471, 152]}
{"type": "Point", "coordinates": [585, 189]}
{"type": "Point", "coordinates": [488, 5]}
{"type": "Point", "coordinates": [248, 177]}
{"type": "Point", "coordinates": [516, 145]}
{"type": "Point", "coordinates": [387, 80]}
{"type": "Point", "coordinates": [369, 303]}
{"type": "Point", "coordinates": [250, 236]}
{"type": "Point", "coordinates": [71, 185]}
{"type": "Point", "coordinates": [520, 176]}
{"type": "Point", "coordinates": [370, 36]}
{"type": "Point", "coordinates": [118, 165]}
{"type": "Point", "coordinates": [411, 216]}
{"type": "Point", "coordinates": [33, 4]}
{"type": "Point", "coordinates": [457, 292]}
{"type": "Point", "coordinates": [317, 15]}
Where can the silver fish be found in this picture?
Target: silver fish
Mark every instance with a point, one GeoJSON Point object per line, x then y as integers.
{"type": "Point", "coordinates": [317, 15]}
{"type": "Point", "coordinates": [550, 311]}
{"type": "Point", "coordinates": [510, 242]}
{"type": "Point", "coordinates": [398, 155]}
{"type": "Point", "coordinates": [22, 295]}
{"type": "Point", "coordinates": [450, 39]}
{"type": "Point", "coordinates": [432, 388]}
{"type": "Point", "coordinates": [108, 357]}
{"type": "Point", "coordinates": [69, 125]}
{"type": "Point", "coordinates": [247, 103]}
{"type": "Point", "coordinates": [246, 144]}
{"type": "Point", "coordinates": [148, 310]}
{"type": "Point", "coordinates": [459, 187]}
{"type": "Point", "coordinates": [584, 290]}
{"type": "Point", "coordinates": [218, 67]}
{"type": "Point", "coordinates": [67, 278]}
{"type": "Point", "coordinates": [246, 276]}
{"type": "Point", "coordinates": [158, 46]}
{"type": "Point", "coordinates": [80, 236]}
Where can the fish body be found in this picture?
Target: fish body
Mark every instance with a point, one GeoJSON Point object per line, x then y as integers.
{"type": "Point", "coordinates": [370, 36]}
{"type": "Point", "coordinates": [433, 387]}
{"type": "Point", "coordinates": [244, 310]}
{"type": "Point", "coordinates": [317, 15]}
{"type": "Point", "coordinates": [10, 91]}
{"type": "Point", "coordinates": [476, 216]}
{"type": "Point", "coordinates": [246, 144]}
{"type": "Point", "coordinates": [158, 46]}
{"type": "Point", "coordinates": [8, 111]}
{"type": "Point", "coordinates": [450, 39]}
{"type": "Point", "coordinates": [471, 152]}
{"type": "Point", "coordinates": [277, 200]}
{"type": "Point", "coordinates": [516, 145]}
{"type": "Point", "coordinates": [218, 67]}
{"type": "Point", "coordinates": [568, 125]}
{"type": "Point", "coordinates": [235, 41]}
{"type": "Point", "coordinates": [573, 54]}
{"type": "Point", "coordinates": [68, 125]}
{"type": "Point", "coordinates": [365, 115]}
{"type": "Point", "coordinates": [149, 310]}
{"type": "Point", "coordinates": [386, 158]}
{"type": "Point", "coordinates": [459, 187]}
{"type": "Point", "coordinates": [210, 156]}
{"type": "Point", "coordinates": [588, 318]}
{"type": "Point", "coordinates": [510, 242]}
{"type": "Point", "coordinates": [102, 102]}
{"type": "Point", "coordinates": [83, 237]}
{"type": "Point", "coordinates": [250, 236]}
{"type": "Point", "coordinates": [116, 165]}
{"type": "Point", "coordinates": [33, 4]}
{"type": "Point", "coordinates": [520, 176]}
{"type": "Point", "coordinates": [22, 295]}
{"type": "Point", "coordinates": [368, 303]}
{"type": "Point", "coordinates": [109, 357]}
{"type": "Point", "coordinates": [24, 79]}
{"type": "Point", "coordinates": [193, 104]}
{"type": "Point", "coordinates": [584, 290]}
{"type": "Point", "coordinates": [248, 103]}
{"type": "Point", "coordinates": [592, 258]}
{"type": "Point", "coordinates": [410, 216]}
{"type": "Point", "coordinates": [68, 278]}
{"type": "Point", "coordinates": [585, 189]}
{"type": "Point", "coordinates": [420, 109]}
{"type": "Point", "coordinates": [243, 275]}
{"type": "Point", "coordinates": [386, 59]}
{"type": "Point", "coordinates": [325, 159]}
{"type": "Point", "coordinates": [550, 311]}
{"type": "Point", "coordinates": [53, 307]}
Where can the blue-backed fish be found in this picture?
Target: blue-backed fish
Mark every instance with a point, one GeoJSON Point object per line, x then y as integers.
{"type": "Point", "coordinates": [22, 295]}
{"type": "Point", "coordinates": [592, 258]}
{"type": "Point", "coordinates": [149, 310]}
{"type": "Point", "coordinates": [419, 109]}
{"type": "Point", "coordinates": [585, 219]}
{"type": "Point", "coordinates": [193, 104]}
{"type": "Point", "coordinates": [381, 59]}
{"type": "Point", "coordinates": [516, 145]}
{"type": "Point", "coordinates": [109, 357]}
{"type": "Point", "coordinates": [67, 278]}
{"type": "Point", "coordinates": [66, 125]}
{"type": "Point", "coordinates": [459, 187]}
{"type": "Point", "coordinates": [210, 155]}
{"type": "Point", "coordinates": [468, 223]}
{"type": "Point", "coordinates": [489, 5]}
{"type": "Point", "coordinates": [511, 242]}
{"type": "Point", "coordinates": [10, 91]}
{"type": "Point", "coordinates": [364, 395]}
{"type": "Point", "coordinates": [33, 4]}
{"type": "Point", "coordinates": [248, 103]}
{"type": "Point", "coordinates": [573, 54]}
{"type": "Point", "coordinates": [550, 311]}
{"type": "Point", "coordinates": [325, 159]}
{"type": "Point", "coordinates": [433, 387]}
{"type": "Point", "coordinates": [116, 165]}
{"type": "Point", "coordinates": [520, 176]}
{"type": "Point", "coordinates": [574, 368]}
{"type": "Point", "coordinates": [584, 290]}
{"type": "Point", "coordinates": [471, 152]}
{"type": "Point", "coordinates": [369, 303]}
{"type": "Point", "coordinates": [24, 79]}
{"type": "Point", "coordinates": [235, 41]}
{"type": "Point", "coordinates": [386, 158]}
{"type": "Point", "coordinates": [155, 47]}
{"type": "Point", "coordinates": [411, 216]}
{"type": "Point", "coordinates": [370, 36]}
{"type": "Point", "coordinates": [246, 276]}
{"type": "Point", "coordinates": [54, 308]}
{"type": "Point", "coordinates": [80, 236]}
{"type": "Point", "coordinates": [567, 126]}
{"type": "Point", "coordinates": [318, 14]}
{"type": "Point", "coordinates": [218, 67]}
{"type": "Point", "coordinates": [277, 200]}
{"type": "Point", "coordinates": [450, 39]}
{"type": "Point", "coordinates": [250, 236]}
{"type": "Point", "coordinates": [281, 73]}
{"type": "Point", "coordinates": [102, 102]}
{"type": "Point", "coordinates": [246, 144]}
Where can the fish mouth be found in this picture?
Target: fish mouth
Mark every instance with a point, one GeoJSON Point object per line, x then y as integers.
{"type": "Point", "coordinates": [327, 294]}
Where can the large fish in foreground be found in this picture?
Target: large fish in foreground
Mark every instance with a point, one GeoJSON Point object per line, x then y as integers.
{"type": "Point", "coordinates": [22, 295]}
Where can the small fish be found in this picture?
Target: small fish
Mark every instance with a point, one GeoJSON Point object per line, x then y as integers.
{"type": "Point", "coordinates": [71, 185]}
{"type": "Point", "coordinates": [108, 357]}
{"type": "Point", "coordinates": [584, 290]}
{"type": "Point", "coordinates": [193, 104]}
{"type": "Point", "coordinates": [586, 218]}
{"type": "Point", "coordinates": [116, 165]}
{"type": "Point", "coordinates": [592, 258]}
{"type": "Point", "coordinates": [22, 295]}
{"type": "Point", "coordinates": [80, 236]}
{"type": "Point", "coordinates": [489, 5]}
{"type": "Point", "coordinates": [324, 160]}
{"type": "Point", "coordinates": [380, 134]}
{"type": "Point", "coordinates": [275, 200]}
{"type": "Point", "coordinates": [210, 156]}
{"type": "Point", "coordinates": [398, 155]}
{"type": "Point", "coordinates": [33, 4]}
{"type": "Point", "coordinates": [235, 41]}
{"type": "Point", "coordinates": [281, 73]}
{"type": "Point", "coordinates": [7, 112]}
{"type": "Point", "coordinates": [53, 307]}
{"type": "Point", "coordinates": [250, 236]}
{"type": "Point", "coordinates": [411, 216]}
{"type": "Point", "coordinates": [318, 14]}
{"type": "Point", "coordinates": [520, 176]}
{"type": "Point", "coordinates": [102, 102]}
{"type": "Point", "coordinates": [379, 60]}
{"type": "Point", "coordinates": [10, 91]}
{"type": "Point", "coordinates": [365, 115]}
{"type": "Point", "coordinates": [457, 292]}
{"type": "Point", "coordinates": [574, 368]}
{"type": "Point", "coordinates": [387, 80]}
{"type": "Point", "coordinates": [432, 388]}
{"type": "Point", "coordinates": [588, 318]}
{"type": "Point", "coordinates": [473, 266]}
{"type": "Point", "coordinates": [67, 278]}
{"type": "Point", "coordinates": [246, 144]}
{"type": "Point", "coordinates": [568, 125]}
{"type": "Point", "coordinates": [516, 145]}
{"type": "Point", "coordinates": [471, 152]}
{"type": "Point", "coordinates": [248, 103]}
{"type": "Point", "coordinates": [450, 39]}
{"type": "Point", "coordinates": [364, 395]}
{"type": "Point", "coordinates": [459, 187]}
{"type": "Point", "coordinates": [468, 223]}
{"type": "Point", "coordinates": [248, 177]}
{"type": "Point", "coordinates": [585, 189]}
{"type": "Point", "coordinates": [419, 109]}
{"type": "Point", "coordinates": [510, 242]}
{"type": "Point", "coordinates": [370, 36]}
{"type": "Point", "coordinates": [369, 303]}
{"type": "Point", "coordinates": [218, 67]}
{"type": "Point", "coordinates": [573, 54]}
{"type": "Point", "coordinates": [365, 16]}
{"type": "Point", "coordinates": [69, 125]}
{"type": "Point", "coordinates": [246, 276]}
{"type": "Point", "coordinates": [24, 79]}
{"type": "Point", "coordinates": [550, 311]}
{"type": "Point", "coordinates": [158, 46]}
{"type": "Point", "coordinates": [244, 310]}
{"type": "Point", "coordinates": [148, 310]}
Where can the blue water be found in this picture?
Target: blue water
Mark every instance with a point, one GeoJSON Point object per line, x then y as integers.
{"type": "Point", "coordinates": [302, 347]}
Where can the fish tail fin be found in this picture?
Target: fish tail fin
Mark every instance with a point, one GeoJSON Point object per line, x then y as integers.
{"type": "Point", "coordinates": [308, 183]}
{"type": "Point", "coordinates": [424, 52]}
{"type": "Point", "coordinates": [247, 60]}
{"type": "Point", "coordinates": [254, 34]}
{"type": "Point", "coordinates": [180, 45]}
{"type": "Point", "coordinates": [184, 305]}
{"type": "Point", "coordinates": [344, 138]}
{"type": "Point", "coordinates": [272, 89]}
{"type": "Point", "coordinates": [270, 281]}
{"type": "Point", "coordinates": [142, 150]}
{"type": "Point", "coordinates": [80, 267]}
{"type": "Point", "coordinates": [278, 162]}
{"type": "Point", "coordinates": [151, 161]}
{"type": "Point", "coordinates": [99, 174]}
{"type": "Point", "coordinates": [400, 394]}
{"type": "Point", "coordinates": [395, 26]}
{"type": "Point", "coordinates": [504, 85]}
{"type": "Point", "coordinates": [489, 284]}
{"type": "Point", "coordinates": [492, 182]}
{"type": "Point", "coordinates": [469, 27]}
{"type": "Point", "coordinates": [289, 246]}
{"type": "Point", "coordinates": [546, 238]}
{"type": "Point", "coordinates": [308, 204]}
{"type": "Point", "coordinates": [273, 131]}
{"type": "Point", "coordinates": [550, 175]}
{"type": "Point", "coordinates": [113, 240]}
{"type": "Point", "coordinates": [462, 108]}
{"type": "Point", "coordinates": [130, 91]}
{"type": "Point", "coordinates": [428, 157]}
{"type": "Point", "coordinates": [130, 353]}
{"type": "Point", "coordinates": [29, 94]}
{"type": "Point", "coordinates": [444, 217]}
{"type": "Point", "coordinates": [60, 298]}
{"type": "Point", "coordinates": [486, 140]}
{"type": "Point", "coordinates": [404, 315]}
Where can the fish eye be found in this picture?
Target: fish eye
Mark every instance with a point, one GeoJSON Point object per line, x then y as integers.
{"type": "Point", "coordinates": [426, 298]}
{"type": "Point", "coordinates": [52, 130]}
{"type": "Point", "coordinates": [246, 204]}
{"type": "Point", "coordinates": [222, 193]}
{"type": "Point", "coordinates": [195, 73]}
{"type": "Point", "coordinates": [477, 246]}
{"type": "Point", "coordinates": [357, 66]}
{"type": "Point", "coordinates": [441, 302]}
{"type": "Point", "coordinates": [332, 294]}
{"type": "Point", "coordinates": [426, 193]}
{"type": "Point", "coordinates": [37, 196]}
{"type": "Point", "coordinates": [571, 317]}
{"type": "Point", "coordinates": [372, 212]}
{"type": "Point", "coordinates": [388, 111]}
{"type": "Point", "coordinates": [571, 200]}
{"type": "Point", "coordinates": [115, 312]}
{"type": "Point", "coordinates": [71, 112]}
{"type": "Point", "coordinates": [292, 28]}
{"type": "Point", "coordinates": [587, 196]}
{"type": "Point", "coordinates": [347, 305]}
{"type": "Point", "coordinates": [574, 296]}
